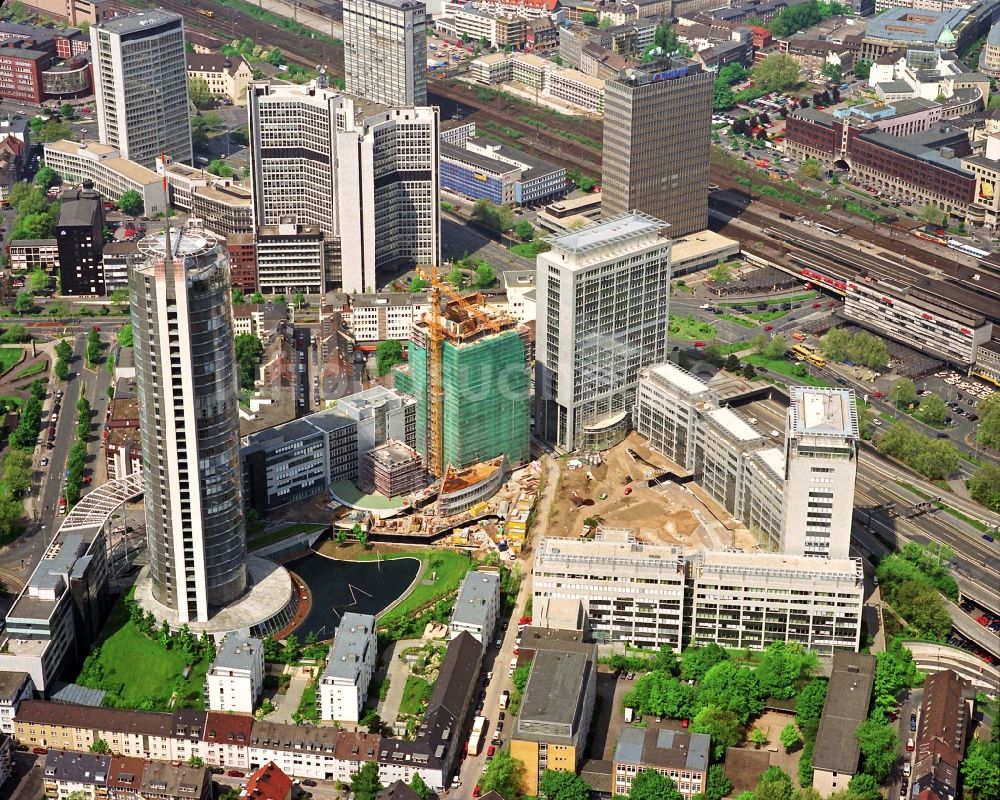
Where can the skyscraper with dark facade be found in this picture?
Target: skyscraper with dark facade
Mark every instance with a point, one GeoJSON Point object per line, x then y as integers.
{"type": "Point", "coordinates": [189, 418]}
{"type": "Point", "coordinates": [80, 242]}
{"type": "Point", "coordinates": [657, 134]}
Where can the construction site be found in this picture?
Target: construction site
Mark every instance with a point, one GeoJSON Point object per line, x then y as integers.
{"type": "Point", "coordinates": [632, 486]}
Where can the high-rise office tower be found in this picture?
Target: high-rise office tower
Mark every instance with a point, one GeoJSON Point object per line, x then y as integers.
{"type": "Point", "coordinates": [821, 466]}
{"type": "Point", "coordinates": [141, 86]}
{"type": "Point", "coordinates": [367, 179]}
{"type": "Point", "coordinates": [657, 134]}
{"type": "Point", "coordinates": [385, 51]}
{"type": "Point", "coordinates": [189, 421]}
{"type": "Point", "coordinates": [602, 307]}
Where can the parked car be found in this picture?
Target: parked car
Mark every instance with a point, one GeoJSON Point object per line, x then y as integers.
{"type": "Point", "coordinates": [909, 744]}
{"type": "Point", "coordinates": [913, 721]}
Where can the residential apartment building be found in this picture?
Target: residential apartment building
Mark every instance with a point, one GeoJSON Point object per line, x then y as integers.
{"type": "Point", "coordinates": [343, 686]}
{"type": "Point", "coordinates": [679, 755]}
{"type": "Point", "coordinates": [942, 731]}
{"type": "Point", "coordinates": [602, 295]}
{"type": "Point", "coordinates": [366, 179]}
{"type": "Point", "coordinates": [181, 310]}
{"type": "Point", "coordinates": [94, 776]}
{"type": "Point", "coordinates": [268, 782]}
{"type": "Point", "coordinates": [632, 592]}
{"type": "Point", "coordinates": [225, 76]}
{"type": "Point", "coordinates": [848, 697]}
{"type": "Point", "coordinates": [477, 607]}
{"type": "Point", "coordinates": [551, 729]}
{"type": "Point", "coordinates": [742, 599]}
{"type": "Point", "coordinates": [236, 677]}
{"type": "Point", "coordinates": [141, 86]}
{"type": "Point", "coordinates": [385, 49]}
{"type": "Point", "coordinates": [111, 174]}
{"type": "Point", "coordinates": [14, 688]}
{"type": "Point", "coordinates": [80, 240]}
{"type": "Point", "coordinates": [821, 462]}
{"type": "Point", "coordinates": [377, 317]}
{"type": "Point", "coordinates": [301, 458]}
{"type": "Point", "coordinates": [26, 255]}
{"type": "Point", "coordinates": [657, 132]}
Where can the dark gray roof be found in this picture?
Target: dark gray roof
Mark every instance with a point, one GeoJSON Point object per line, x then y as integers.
{"type": "Point", "coordinates": [894, 87]}
{"type": "Point", "coordinates": [472, 606]}
{"type": "Point", "coordinates": [79, 213]}
{"type": "Point", "coordinates": [397, 791]}
{"type": "Point", "coordinates": [662, 747]}
{"type": "Point", "coordinates": [350, 644]}
{"type": "Point", "coordinates": [848, 697]}
{"type": "Point", "coordinates": [86, 768]}
{"type": "Point", "coordinates": [11, 684]}
{"type": "Point", "coordinates": [557, 681]}
{"type": "Point", "coordinates": [454, 153]}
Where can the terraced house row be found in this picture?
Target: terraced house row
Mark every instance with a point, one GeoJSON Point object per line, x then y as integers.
{"type": "Point", "coordinates": [238, 741]}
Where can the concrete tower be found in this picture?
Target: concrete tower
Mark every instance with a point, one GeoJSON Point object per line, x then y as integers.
{"type": "Point", "coordinates": [657, 133]}
{"type": "Point", "coordinates": [189, 422]}
{"type": "Point", "coordinates": [385, 50]}
{"type": "Point", "coordinates": [141, 86]}
{"type": "Point", "coordinates": [821, 466]}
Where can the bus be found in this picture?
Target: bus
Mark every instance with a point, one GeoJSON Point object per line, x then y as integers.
{"type": "Point", "coordinates": [829, 228]}
{"type": "Point", "coordinates": [803, 353]}
{"type": "Point", "coordinates": [476, 737]}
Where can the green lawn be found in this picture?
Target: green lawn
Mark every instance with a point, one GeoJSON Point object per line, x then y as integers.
{"type": "Point", "coordinates": [281, 533]}
{"type": "Point", "coordinates": [690, 328]}
{"type": "Point", "coordinates": [746, 323]}
{"type": "Point", "coordinates": [529, 249]}
{"type": "Point", "coordinates": [416, 693]}
{"type": "Point", "coordinates": [307, 705]}
{"type": "Point", "coordinates": [767, 316]}
{"type": "Point", "coordinates": [9, 356]}
{"type": "Point", "coordinates": [139, 672]}
{"type": "Point", "coordinates": [783, 367]}
{"type": "Point", "coordinates": [444, 569]}
{"type": "Point", "coordinates": [34, 369]}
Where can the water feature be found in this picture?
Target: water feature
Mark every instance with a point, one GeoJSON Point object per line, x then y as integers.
{"type": "Point", "coordinates": [364, 587]}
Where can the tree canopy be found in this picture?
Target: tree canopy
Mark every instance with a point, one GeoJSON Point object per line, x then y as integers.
{"type": "Point", "coordinates": [387, 355]}
{"type": "Point", "coordinates": [131, 202]}
{"type": "Point", "coordinates": [776, 73]}
{"type": "Point", "coordinates": [248, 354]}
{"type": "Point", "coordinates": [562, 785]}
{"type": "Point", "coordinates": [652, 785]}
{"type": "Point", "coordinates": [503, 775]}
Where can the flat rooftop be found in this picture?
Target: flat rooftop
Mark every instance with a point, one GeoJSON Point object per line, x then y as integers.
{"type": "Point", "coordinates": [393, 454]}
{"type": "Point", "coordinates": [475, 596]}
{"type": "Point", "coordinates": [679, 377]}
{"type": "Point", "coordinates": [607, 233]}
{"type": "Point", "coordinates": [554, 689]}
{"type": "Point", "coordinates": [848, 697]}
{"type": "Point", "coordinates": [237, 652]}
{"type": "Point", "coordinates": [614, 545]}
{"type": "Point", "coordinates": [350, 646]}
{"type": "Point", "coordinates": [138, 21]}
{"type": "Point", "coordinates": [734, 425]}
{"type": "Point", "coordinates": [699, 245]}
{"type": "Point", "coordinates": [779, 565]}
{"type": "Point", "coordinates": [823, 412]}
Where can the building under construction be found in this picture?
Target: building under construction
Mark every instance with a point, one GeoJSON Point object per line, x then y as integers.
{"type": "Point", "coordinates": [485, 402]}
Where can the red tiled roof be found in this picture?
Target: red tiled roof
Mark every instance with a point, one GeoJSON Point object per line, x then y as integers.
{"type": "Point", "coordinates": [125, 774]}
{"type": "Point", "coordinates": [268, 783]}
{"type": "Point", "coordinates": [227, 728]}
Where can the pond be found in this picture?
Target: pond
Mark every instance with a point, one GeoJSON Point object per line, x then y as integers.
{"type": "Point", "coordinates": [364, 587]}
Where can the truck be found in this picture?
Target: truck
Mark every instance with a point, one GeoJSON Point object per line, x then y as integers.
{"type": "Point", "coordinates": [799, 337]}
{"type": "Point", "coordinates": [476, 737]}
{"type": "Point", "coordinates": [629, 714]}
{"type": "Point", "coordinates": [504, 699]}
{"type": "Point", "coordinates": [62, 504]}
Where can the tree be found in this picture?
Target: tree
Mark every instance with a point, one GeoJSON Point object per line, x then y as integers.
{"type": "Point", "coordinates": [219, 167]}
{"type": "Point", "coordinates": [666, 661]}
{"type": "Point", "coordinates": [933, 410]}
{"type": "Point", "coordinates": [62, 370]}
{"type": "Point", "coordinates": [486, 276]}
{"type": "Point", "coordinates": [774, 784]}
{"type": "Point", "coordinates": [989, 421]}
{"type": "Point", "coordinates": [879, 746]}
{"type": "Point", "coordinates": [24, 303]}
{"type": "Point", "coordinates": [981, 768]}
{"type": "Point", "coordinates": [758, 738]}
{"type": "Point", "coordinates": [418, 284]}
{"type": "Point", "coordinates": [749, 372]}
{"type": "Point", "coordinates": [38, 280]}
{"type": "Point", "coordinates": [894, 671]}
{"type": "Point", "coordinates": [864, 787]}
{"type": "Point", "coordinates": [497, 218]}
{"type": "Point", "coordinates": [561, 785]}
{"type": "Point", "coordinates": [456, 278]}
{"type": "Point", "coordinates": [520, 677]}
{"type": "Point", "coordinates": [100, 746]}
{"type": "Point", "coordinates": [771, 347]}
{"type": "Point", "coordinates": [903, 392]}
{"type": "Point", "coordinates": [199, 93]}
{"type": "Point", "coordinates": [299, 299]}
{"type": "Point", "coordinates": [931, 214]}
{"type": "Point", "coordinates": [921, 605]}
{"type": "Point", "coordinates": [362, 537]}
{"type": "Point", "coordinates": [365, 783]}
{"type": "Point", "coordinates": [503, 775]}
{"type": "Point", "coordinates": [718, 784]}
{"type": "Point", "coordinates": [722, 96]}
{"type": "Point", "coordinates": [811, 168]}
{"type": "Point", "coordinates": [984, 485]}
{"type": "Point", "coordinates": [15, 334]}
{"type": "Point", "coordinates": [776, 73]}
{"type": "Point", "coordinates": [782, 667]}
{"type": "Point", "coordinates": [728, 685]}
{"type": "Point", "coordinates": [652, 785]}
{"type": "Point", "coordinates": [789, 737]}
{"type": "Point", "coordinates": [421, 789]}
{"type": "Point", "coordinates": [387, 355]}
{"type": "Point", "coordinates": [722, 725]}
{"type": "Point", "coordinates": [589, 18]}
{"type": "Point", "coordinates": [248, 354]}
{"type": "Point", "coordinates": [238, 296]}
{"type": "Point", "coordinates": [525, 230]}
{"type": "Point", "coordinates": [257, 298]}
{"type": "Point", "coordinates": [195, 761]}
{"type": "Point", "coordinates": [131, 203]}
{"type": "Point", "coordinates": [696, 661]}
{"type": "Point", "coordinates": [66, 111]}
{"type": "Point", "coordinates": [341, 536]}
{"type": "Point", "coordinates": [46, 178]}
{"type": "Point", "coordinates": [120, 300]}
{"type": "Point", "coordinates": [832, 72]}
{"type": "Point", "coordinates": [862, 69]}
{"type": "Point", "coordinates": [721, 273]}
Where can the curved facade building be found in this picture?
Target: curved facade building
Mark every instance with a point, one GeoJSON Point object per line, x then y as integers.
{"type": "Point", "coordinates": [189, 419]}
